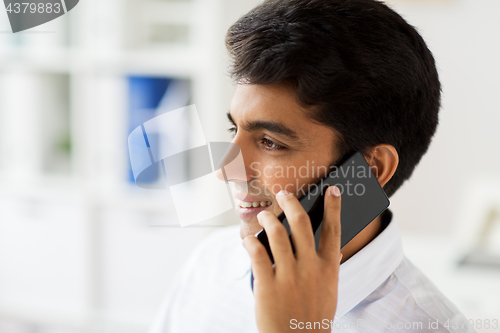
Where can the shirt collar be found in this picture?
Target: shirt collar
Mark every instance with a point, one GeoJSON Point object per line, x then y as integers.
{"type": "Point", "coordinates": [368, 268]}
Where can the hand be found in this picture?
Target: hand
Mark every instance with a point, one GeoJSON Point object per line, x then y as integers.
{"type": "Point", "coordinates": [300, 287]}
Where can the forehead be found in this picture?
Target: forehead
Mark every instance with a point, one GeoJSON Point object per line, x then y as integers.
{"type": "Point", "coordinates": [274, 101]}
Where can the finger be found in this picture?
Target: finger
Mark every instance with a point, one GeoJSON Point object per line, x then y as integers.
{"type": "Point", "coordinates": [261, 264]}
{"type": "Point", "coordinates": [330, 238]}
{"type": "Point", "coordinates": [300, 224]}
{"type": "Point", "coordinates": [278, 239]}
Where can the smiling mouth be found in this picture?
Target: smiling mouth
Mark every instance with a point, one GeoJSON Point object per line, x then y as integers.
{"type": "Point", "coordinates": [252, 204]}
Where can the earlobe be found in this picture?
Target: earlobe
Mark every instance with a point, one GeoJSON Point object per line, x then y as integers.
{"type": "Point", "coordinates": [383, 161]}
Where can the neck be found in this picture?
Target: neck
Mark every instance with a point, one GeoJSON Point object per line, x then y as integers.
{"type": "Point", "coordinates": [360, 240]}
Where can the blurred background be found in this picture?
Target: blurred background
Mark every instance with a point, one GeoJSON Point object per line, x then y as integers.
{"type": "Point", "coordinates": [83, 249]}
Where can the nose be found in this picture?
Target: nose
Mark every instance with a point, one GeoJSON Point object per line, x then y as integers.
{"type": "Point", "coordinates": [231, 166]}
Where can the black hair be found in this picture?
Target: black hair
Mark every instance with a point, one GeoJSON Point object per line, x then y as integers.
{"type": "Point", "coordinates": [357, 65]}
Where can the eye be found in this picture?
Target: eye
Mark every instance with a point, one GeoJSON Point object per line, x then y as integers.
{"type": "Point", "coordinates": [232, 130]}
{"type": "Point", "coordinates": [270, 145]}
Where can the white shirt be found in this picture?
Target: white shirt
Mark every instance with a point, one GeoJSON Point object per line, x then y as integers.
{"type": "Point", "coordinates": [379, 290]}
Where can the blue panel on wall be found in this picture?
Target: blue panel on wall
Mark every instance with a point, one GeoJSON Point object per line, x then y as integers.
{"type": "Point", "coordinates": [144, 96]}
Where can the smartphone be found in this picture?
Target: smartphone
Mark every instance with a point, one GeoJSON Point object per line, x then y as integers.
{"type": "Point", "coordinates": [363, 199]}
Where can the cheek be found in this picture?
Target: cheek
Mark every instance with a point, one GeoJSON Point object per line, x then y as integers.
{"type": "Point", "coordinates": [294, 179]}
{"type": "Point", "coordinates": [270, 178]}
{"type": "Point", "coordinates": [274, 178]}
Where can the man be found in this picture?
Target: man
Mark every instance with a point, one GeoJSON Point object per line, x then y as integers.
{"type": "Point", "coordinates": [317, 79]}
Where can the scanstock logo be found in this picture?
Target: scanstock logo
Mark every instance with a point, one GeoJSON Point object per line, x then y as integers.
{"type": "Point", "coordinates": [26, 14]}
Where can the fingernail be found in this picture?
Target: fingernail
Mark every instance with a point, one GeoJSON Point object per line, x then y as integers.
{"type": "Point", "coordinates": [334, 190]}
{"type": "Point", "coordinates": [282, 193]}
{"type": "Point", "coordinates": [340, 257]}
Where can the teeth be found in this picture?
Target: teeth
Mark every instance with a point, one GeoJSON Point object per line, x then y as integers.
{"type": "Point", "coordinates": [253, 204]}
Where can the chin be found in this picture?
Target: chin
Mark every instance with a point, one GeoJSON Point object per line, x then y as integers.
{"type": "Point", "coordinates": [249, 228]}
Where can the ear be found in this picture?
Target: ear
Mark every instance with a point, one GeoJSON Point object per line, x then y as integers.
{"type": "Point", "coordinates": [383, 161]}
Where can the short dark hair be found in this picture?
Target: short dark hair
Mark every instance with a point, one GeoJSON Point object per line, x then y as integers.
{"type": "Point", "coordinates": [356, 64]}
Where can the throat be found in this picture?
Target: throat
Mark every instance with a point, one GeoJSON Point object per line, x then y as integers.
{"type": "Point", "coordinates": [369, 233]}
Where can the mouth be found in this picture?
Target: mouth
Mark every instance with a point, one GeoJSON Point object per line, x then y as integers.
{"type": "Point", "coordinates": [247, 210]}
{"type": "Point", "coordinates": [252, 204]}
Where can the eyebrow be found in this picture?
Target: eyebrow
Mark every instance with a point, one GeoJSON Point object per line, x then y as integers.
{"type": "Point", "coordinates": [271, 126]}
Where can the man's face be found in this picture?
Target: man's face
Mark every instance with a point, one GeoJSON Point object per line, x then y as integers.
{"type": "Point", "coordinates": [281, 148]}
